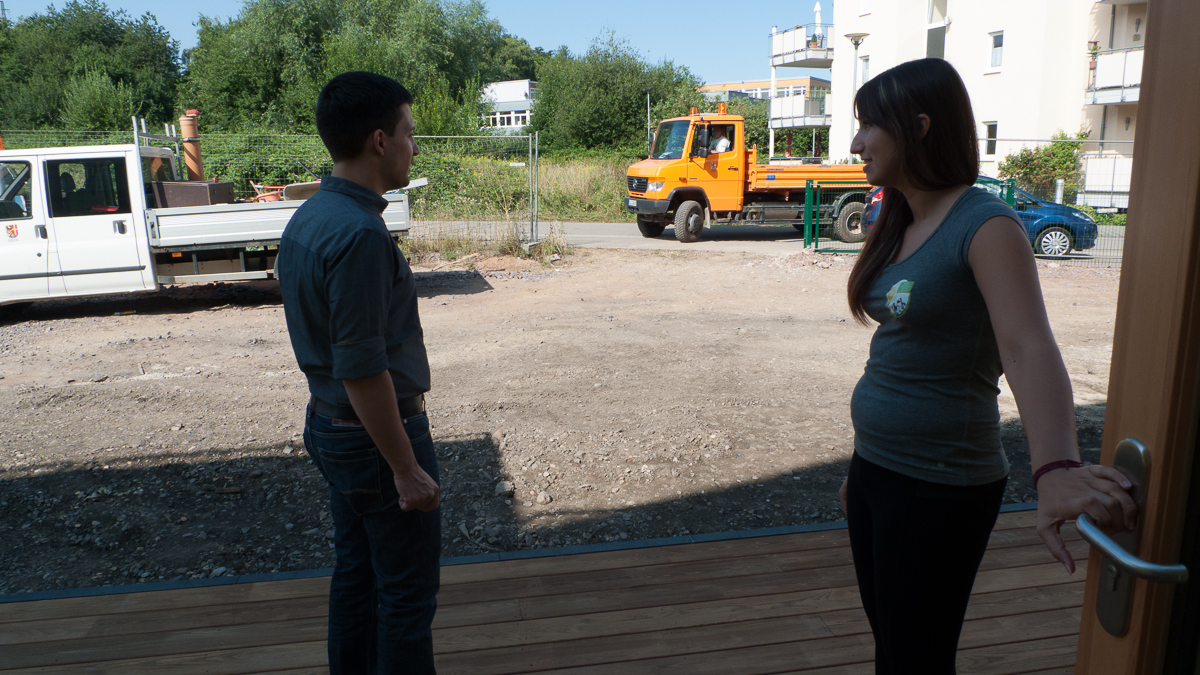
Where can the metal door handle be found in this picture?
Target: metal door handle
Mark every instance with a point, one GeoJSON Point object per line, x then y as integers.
{"type": "Point", "coordinates": [1129, 563]}
{"type": "Point", "coordinates": [40, 230]}
{"type": "Point", "coordinates": [733, 168]}
{"type": "Point", "coordinates": [119, 226]}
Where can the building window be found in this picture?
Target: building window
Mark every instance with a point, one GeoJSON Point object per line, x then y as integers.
{"type": "Point", "coordinates": [935, 32]}
{"type": "Point", "coordinates": [864, 66]}
{"type": "Point", "coordinates": [937, 11]}
{"type": "Point", "coordinates": [997, 48]}
{"type": "Point", "coordinates": [935, 42]}
{"type": "Point", "coordinates": [990, 128]}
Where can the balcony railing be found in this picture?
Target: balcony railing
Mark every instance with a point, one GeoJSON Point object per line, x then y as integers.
{"type": "Point", "coordinates": [803, 45]}
{"type": "Point", "coordinates": [804, 110]}
{"type": "Point", "coordinates": [1116, 76]}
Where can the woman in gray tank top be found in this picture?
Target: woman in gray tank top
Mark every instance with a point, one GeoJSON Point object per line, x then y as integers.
{"type": "Point", "coordinates": [949, 275]}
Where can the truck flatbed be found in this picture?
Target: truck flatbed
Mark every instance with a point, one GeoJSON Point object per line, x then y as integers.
{"type": "Point", "coordinates": [189, 227]}
{"type": "Point", "coordinates": [776, 177]}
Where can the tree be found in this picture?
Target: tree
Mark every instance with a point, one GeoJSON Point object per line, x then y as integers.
{"type": "Point", "coordinates": [94, 103]}
{"type": "Point", "coordinates": [263, 69]}
{"type": "Point", "coordinates": [42, 55]}
{"type": "Point", "coordinates": [440, 113]}
{"type": "Point", "coordinates": [1037, 169]}
{"type": "Point", "coordinates": [515, 60]}
{"type": "Point", "coordinates": [599, 100]}
{"type": "Point", "coordinates": [754, 111]}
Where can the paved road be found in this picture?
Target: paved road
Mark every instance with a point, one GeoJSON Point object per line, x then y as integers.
{"type": "Point", "coordinates": [723, 238]}
{"type": "Point", "coordinates": [756, 239]}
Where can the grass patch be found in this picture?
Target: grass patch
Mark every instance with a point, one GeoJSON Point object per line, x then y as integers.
{"type": "Point", "coordinates": [553, 244]}
{"type": "Point", "coordinates": [480, 188]}
{"type": "Point", "coordinates": [448, 241]}
{"type": "Point", "coordinates": [435, 245]}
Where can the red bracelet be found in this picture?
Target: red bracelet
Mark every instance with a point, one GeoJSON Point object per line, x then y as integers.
{"type": "Point", "coordinates": [1060, 464]}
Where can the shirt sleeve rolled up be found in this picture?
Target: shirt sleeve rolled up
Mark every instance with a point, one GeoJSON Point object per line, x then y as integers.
{"type": "Point", "coordinates": [359, 283]}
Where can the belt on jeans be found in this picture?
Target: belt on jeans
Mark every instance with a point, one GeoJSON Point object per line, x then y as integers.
{"type": "Point", "coordinates": [413, 405]}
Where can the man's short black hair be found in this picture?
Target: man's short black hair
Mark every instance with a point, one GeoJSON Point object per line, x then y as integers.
{"type": "Point", "coordinates": [352, 106]}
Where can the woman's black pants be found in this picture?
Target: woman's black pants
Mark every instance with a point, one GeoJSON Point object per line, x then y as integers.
{"type": "Point", "coordinates": [916, 547]}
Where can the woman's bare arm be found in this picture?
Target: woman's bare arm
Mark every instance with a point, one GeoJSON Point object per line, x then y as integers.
{"type": "Point", "coordinates": [1006, 273]}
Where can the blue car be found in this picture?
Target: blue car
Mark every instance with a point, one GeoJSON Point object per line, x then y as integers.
{"type": "Point", "coordinates": [1053, 229]}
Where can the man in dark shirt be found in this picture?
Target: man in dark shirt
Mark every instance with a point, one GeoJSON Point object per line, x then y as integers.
{"type": "Point", "coordinates": [351, 307]}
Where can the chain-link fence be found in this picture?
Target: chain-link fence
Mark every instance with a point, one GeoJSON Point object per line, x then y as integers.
{"type": "Point", "coordinates": [1079, 219]}
{"type": "Point", "coordinates": [481, 187]}
{"type": "Point", "coordinates": [833, 215]}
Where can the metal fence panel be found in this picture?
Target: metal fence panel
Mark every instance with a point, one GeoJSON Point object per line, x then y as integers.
{"type": "Point", "coordinates": [833, 222]}
{"type": "Point", "coordinates": [1056, 213]}
{"type": "Point", "coordinates": [484, 186]}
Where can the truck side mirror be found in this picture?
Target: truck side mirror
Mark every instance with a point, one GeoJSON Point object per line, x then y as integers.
{"type": "Point", "coordinates": [700, 152]}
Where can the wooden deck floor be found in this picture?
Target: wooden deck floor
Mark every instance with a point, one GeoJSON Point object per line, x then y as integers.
{"type": "Point", "coordinates": [781, 604]}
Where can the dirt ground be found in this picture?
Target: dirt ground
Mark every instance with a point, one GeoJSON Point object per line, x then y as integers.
{"type": "Point", "coordinates": [613, 395]}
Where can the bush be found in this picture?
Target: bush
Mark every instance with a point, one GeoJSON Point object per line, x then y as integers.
{"type": "Point", "coordinates": [1117, 219]}
{"type": "Point", "coordinates": [1037, 169]}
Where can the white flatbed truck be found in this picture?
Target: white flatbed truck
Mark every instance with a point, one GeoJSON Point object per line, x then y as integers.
{"type": "Point", "coordinates": [78, 221]}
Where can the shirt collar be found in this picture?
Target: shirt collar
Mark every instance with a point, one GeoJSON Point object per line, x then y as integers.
{"type": "Point", "coordinates": [354, 190]}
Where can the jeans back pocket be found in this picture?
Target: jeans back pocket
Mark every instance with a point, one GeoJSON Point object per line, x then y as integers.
{"type": "Point", "coordinates": [350, 462]}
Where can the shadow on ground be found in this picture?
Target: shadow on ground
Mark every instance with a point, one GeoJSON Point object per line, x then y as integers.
{"type": "Point", "coordinates": [206, 297]}
{"type": "Point", "coordinates": [122, 517]}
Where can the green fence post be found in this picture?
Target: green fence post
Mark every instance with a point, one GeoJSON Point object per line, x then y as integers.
{"type": "Point", "coordinates": [808, 202]}
{"type": "Point", "coordinates": [816, 220]}
{"type": "Point", "coordinates": [1011, 193]}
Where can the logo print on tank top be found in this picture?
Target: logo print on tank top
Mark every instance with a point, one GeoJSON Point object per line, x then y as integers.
{"type": "Point", "coordinates": [897, 298]}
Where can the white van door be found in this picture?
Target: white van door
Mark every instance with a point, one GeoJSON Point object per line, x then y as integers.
{"type": "Point", "coordinates": [98, 232]}
{"type": "Point", "coordinates": [24, 241]}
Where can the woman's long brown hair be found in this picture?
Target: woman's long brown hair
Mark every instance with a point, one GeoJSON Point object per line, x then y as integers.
{"type": "Point", "coordinates": [945, 157]}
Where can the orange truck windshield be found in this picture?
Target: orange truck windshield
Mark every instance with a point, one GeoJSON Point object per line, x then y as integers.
{"type": "Point", "coordinates": [670, 139]}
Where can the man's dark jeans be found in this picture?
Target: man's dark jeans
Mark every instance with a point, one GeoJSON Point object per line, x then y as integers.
{"type": "Point", "coordinates": [384, 589]}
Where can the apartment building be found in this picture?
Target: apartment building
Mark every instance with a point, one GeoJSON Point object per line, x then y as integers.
{"type": "Point", "coordinates": [761, 89]}
{"type": "Point", "coordinates": [806, 46]}
{"type": "Point", "coordinates": [512, 104]}
{"type": "Point", "coordinates": [1031, 67]}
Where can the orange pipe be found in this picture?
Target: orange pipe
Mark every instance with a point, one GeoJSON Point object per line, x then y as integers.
{"type": "Point", "coordinates": [190, 132]}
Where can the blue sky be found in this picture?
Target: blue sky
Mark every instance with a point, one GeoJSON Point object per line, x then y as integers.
{"type": "Point", "coordinates": [718, 41]}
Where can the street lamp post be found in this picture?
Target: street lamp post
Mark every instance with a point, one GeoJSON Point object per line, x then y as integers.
{"type": "Point", "coordinates": [856, 39]}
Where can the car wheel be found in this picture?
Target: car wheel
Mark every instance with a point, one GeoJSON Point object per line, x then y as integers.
{"type": "Point", "coordinates": [1053, 241]}
{"type": "Point", "coordinates": [849, 227]}
{"type": "Point", "coordinates": [689, 221]}
{"type": "Point", "coordinates": [650, 228]}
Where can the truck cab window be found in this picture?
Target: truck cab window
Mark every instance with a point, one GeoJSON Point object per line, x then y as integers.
{"type": "Point", "coordinates": [670, 139]}
{"type": "Point", "coordinates": [15, 197]}
{"type": "Point", "coordinates": [155, 170]}
{"type": "Point", "coordinates": [700, 138]}
{"type": "Point", "coordinates": [87, 187]}
{"type": "Point", "coordinates": [720, 138]}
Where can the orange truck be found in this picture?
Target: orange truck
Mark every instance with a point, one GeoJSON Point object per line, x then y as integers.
{"type": "Point", "coordinates": [700, 172]}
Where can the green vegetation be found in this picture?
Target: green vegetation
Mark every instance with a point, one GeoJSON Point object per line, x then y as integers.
{"type": "Point", "coordinates": [263, 69]}
{"type": "Point", "coordinates": [472, 188]}
{"type": "Point", "coordinates": [598, 100]}
{"type": "Point", "coordinates": [452, 243]}
{"type": "Point", "coordinates": [86, 67]}
{"type": "Point", "coordinates": [1117, 219]}
{"type": "Point", "coordinates": [1037, 169]}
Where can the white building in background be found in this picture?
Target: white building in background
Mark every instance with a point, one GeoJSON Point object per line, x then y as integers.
{"type": "Point", "coordinates": [1032, 68]}
{"type": "Point", "coordinates": [512, 104]}
{"type": "Point", "coordinates": [761, 89]}
{"type": "Point", "coordinates": [807, 46]}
